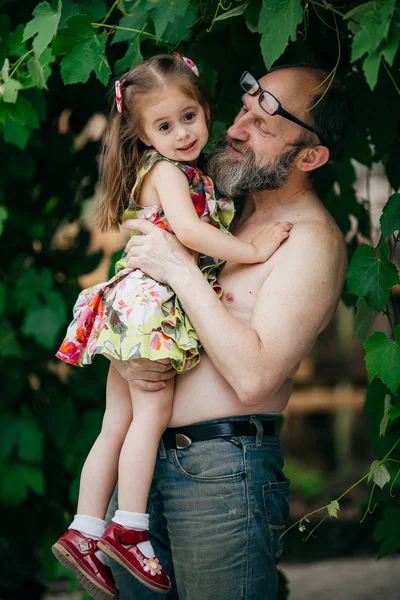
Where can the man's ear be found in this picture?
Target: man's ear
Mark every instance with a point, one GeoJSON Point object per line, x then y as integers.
{"type": "Point", "coordinates": [310, 159]}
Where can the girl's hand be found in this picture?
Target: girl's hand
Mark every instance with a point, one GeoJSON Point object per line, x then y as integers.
{"type": "Point", "coordinates": [270, 238]}
{"type": "Point", "coordinates": [156, 252]}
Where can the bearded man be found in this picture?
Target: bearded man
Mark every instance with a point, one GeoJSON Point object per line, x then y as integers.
{"type": "Point", "coordinates": [218, 502]}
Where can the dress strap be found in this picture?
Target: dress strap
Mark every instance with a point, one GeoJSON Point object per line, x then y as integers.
{"type": "Point", "coordinates": [150, 158]}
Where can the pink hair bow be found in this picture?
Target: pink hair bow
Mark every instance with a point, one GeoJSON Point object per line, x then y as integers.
{"type": "Point", "coordinates": [118, 96]}
{"type": "Point", "coordinates": [189, 63]}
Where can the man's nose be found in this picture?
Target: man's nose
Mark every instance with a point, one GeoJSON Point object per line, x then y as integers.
{"type": "Point", "coordinates": [240, 127]}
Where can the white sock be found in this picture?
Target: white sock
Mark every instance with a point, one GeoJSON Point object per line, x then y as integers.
{"type": "Point", "coordinates": [91, 527]}
{"type": "Point", "coordinates": [139, 522]}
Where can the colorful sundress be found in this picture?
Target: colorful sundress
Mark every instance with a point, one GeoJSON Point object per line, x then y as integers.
{"type": "Point", "coordinates": [131, 315]}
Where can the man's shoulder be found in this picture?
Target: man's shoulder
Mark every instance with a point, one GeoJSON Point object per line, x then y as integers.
{"type": "Point", "coordinates": [319, 241]}
{"type": "Point", "coordinates": [321, 230]}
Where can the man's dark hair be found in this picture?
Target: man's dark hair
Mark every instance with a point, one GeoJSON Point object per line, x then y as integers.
{"type": "Point", "coordinates": [331, 113]}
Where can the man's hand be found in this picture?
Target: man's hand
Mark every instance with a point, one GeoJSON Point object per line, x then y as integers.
{"type": "Point", "coordinates": [156, 252]}
{"type": "Point", "coordinates": [148, 375]}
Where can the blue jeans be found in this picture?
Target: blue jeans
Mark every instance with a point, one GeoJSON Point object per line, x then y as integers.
{"type": "Point", "coordinates": [217, 510]}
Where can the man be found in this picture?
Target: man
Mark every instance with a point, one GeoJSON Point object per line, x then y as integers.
{"type": "Point", "coordinates": [218, 502]}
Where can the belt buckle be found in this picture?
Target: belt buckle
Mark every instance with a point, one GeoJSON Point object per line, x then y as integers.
{"type": "Point", "coordinates": [182, 441]}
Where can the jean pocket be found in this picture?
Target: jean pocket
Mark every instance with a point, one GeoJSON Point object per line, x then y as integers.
{"type": "Point", "coordinates": [213, 461]}
{"type": "Point", "coordinates": [277, 511]}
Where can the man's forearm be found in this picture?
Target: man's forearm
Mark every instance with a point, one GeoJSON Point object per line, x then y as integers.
{"type": "Point", "coordinates": [233, 347]}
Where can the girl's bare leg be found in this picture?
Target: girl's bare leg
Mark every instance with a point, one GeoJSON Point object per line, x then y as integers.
{"type": "Point", "coordinates": [99, 473]}
{"type": "Point", "coordinates": [151, 415]}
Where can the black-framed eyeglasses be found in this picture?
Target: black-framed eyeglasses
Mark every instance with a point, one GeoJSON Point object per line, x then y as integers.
{"type": "Point", "coordinates": [267, 101]}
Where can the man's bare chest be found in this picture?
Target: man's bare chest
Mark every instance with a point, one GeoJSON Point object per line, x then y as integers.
{"type": "Point", "coordinates": [241, 285]}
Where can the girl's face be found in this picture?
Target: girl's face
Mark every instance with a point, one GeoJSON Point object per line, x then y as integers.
{"type": "Point", "coordinates": [174, 124]}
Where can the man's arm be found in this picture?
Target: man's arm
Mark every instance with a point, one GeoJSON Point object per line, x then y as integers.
{"type": "Point", "coordinates": [293, 306]}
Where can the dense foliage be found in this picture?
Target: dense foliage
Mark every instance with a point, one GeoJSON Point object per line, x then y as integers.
{"type": "Point", "coordinates": [57, 59]}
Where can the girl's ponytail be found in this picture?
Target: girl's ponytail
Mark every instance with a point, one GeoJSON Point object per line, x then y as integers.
{"type": "Point", "coordinates": [119, 159]}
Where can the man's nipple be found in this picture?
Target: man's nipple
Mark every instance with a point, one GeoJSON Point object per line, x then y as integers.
{"type": "Point", "coordinates": [229, 297]}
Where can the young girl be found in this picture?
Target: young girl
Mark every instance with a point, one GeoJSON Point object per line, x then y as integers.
{"type": "Point", "coordinates": [155, 135]}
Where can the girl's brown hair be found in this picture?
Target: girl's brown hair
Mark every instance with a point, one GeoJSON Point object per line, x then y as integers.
{"type": "Point", "coordinates": [121, 152]}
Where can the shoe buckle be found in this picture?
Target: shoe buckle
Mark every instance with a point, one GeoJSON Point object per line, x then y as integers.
{"type": "Point", "coordinates": [84, 546]}
{"type": "Point", "coordinates": [182, 441]}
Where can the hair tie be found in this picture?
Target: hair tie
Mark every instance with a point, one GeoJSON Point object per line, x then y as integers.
{"type": "Point", "coordinates": [118, 96]}
{"type": "Point", "coordinates": [189, 63]}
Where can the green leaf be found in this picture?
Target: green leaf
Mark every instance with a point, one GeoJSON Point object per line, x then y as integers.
{"type": "Point", "coordinates": [375, 27]}
{"type": "Point", "coordinates": [180, 28]}
{"type": "Point", "coordinates": [383, 358]}
{"type": "Point", "coordinates": [371, 275]}
{"type": "Point", "coordinates": [30, 443]}
{"type": "Point", "coordinates": [3, 218]}
{"type": "Point", "coordinates": [278, 23]}
{"type": "Point", "coordinates": [395, 409]}
{"type": "Point", "coordinates": [390, 49]}
{"type": "Point", "coordinates": [39, 68]}
{"type": "Point", "coordinates": [5, 70]}
{"type": "Point", "coordinates": [16, 46]}
{"type": "Point", "coordinates": [43, 324]}
{"type": "Point", "coordinates": [9, 433]}
{"type": "Point", "coordinates": [17, 480]}
{"type": "Point", "coordinates": [23, 112]}
{"type": "Point", "coordinates": [373, 39]}
{"type": "Point", "coordinates": [362, 319]}
{"type": "Point", "coordinates": [84, 49]}
{"type": "Point", "coordinates": [16, 133]}
{"type": "Point", "coordinates": [390, 218]}
{"type": "Point", "coordinates": [44, 24]}
{"type": "Point", "coordinates": [166, 11]}
{"type": "Point", "coordinates": [379, 474]}
{"type": "Point", "coordinates": [57, 305]}
{"type": "Point", "coordinates": [9, 346]}
{"type": "Point", "coordinates": [96, 9]}
{"type": "Point", "coordinates": [137, 20]}
{"type": "Point", "coordinates": [388, 531]}
{"type": "Point", "coordinates": [132, 57]}
{"type": "Point", "coordinates": [355, 15]}
{"type": "Point", "coordinates": [10, 89]}
{"type": "Point", "coordinates": [371, 65]}
{"type": "Point", "coordinates": [333, 508]}
{"type": "Point", "coordinates": [32, 478]}
{"type": "Point", "coordinates": [233, 12]}
{"type": "Point", "coordinates": [385, 419]}
{"type": "Point", "coordinates": [209, 77]}
{"type": "Point", "coordinates": [32, 284]}
{"type": "Point", "coordinates": [252, 14]}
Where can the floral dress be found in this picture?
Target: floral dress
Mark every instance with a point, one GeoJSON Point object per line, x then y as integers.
{"type": "Point", "coordinates": [131, 315]}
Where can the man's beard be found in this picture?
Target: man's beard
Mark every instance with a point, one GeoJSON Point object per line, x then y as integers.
{"type": "Point", "coordinates": [237, 177]}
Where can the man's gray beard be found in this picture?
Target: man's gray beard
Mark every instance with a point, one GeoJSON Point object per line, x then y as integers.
{"type": "Point", "coordinates": [237, 177]}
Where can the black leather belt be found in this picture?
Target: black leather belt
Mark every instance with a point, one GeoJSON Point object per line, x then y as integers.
{"type": "Point", "coordinates": [182, 437]}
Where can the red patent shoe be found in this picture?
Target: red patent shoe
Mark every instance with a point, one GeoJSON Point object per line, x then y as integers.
{"type": "Point", "coordinates": [77, 553]}
{"type": "Point", "coordinates": [121, 544]}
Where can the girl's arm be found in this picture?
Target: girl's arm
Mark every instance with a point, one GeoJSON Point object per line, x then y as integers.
{"type": "Point", "coordinates": [172, 188]}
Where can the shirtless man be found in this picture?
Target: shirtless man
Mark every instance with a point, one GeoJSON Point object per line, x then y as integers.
{"type": "Point", "coordinates": [218, 504]}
